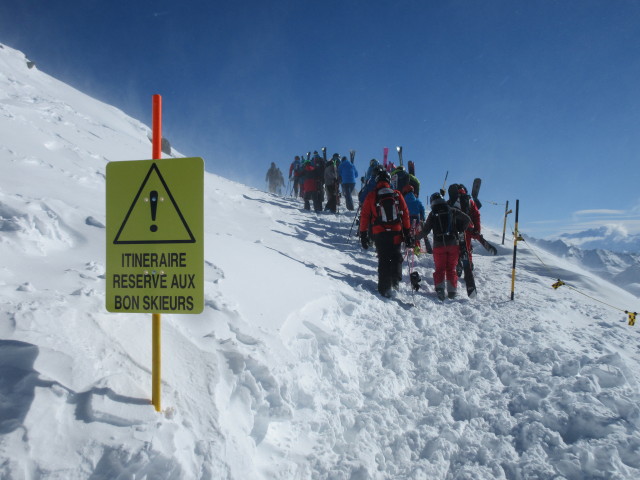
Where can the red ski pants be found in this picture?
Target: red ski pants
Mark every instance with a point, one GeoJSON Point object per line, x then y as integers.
{"type": "Point", "coordinates": [446, 259]}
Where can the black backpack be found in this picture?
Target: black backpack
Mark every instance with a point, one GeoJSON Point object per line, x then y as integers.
{"type": "Point", "coordinates": [444, 222]}
{"type": "Point", "coordinates": [399, 180]}
{"type": "Point", "coordinates": [387, 207]}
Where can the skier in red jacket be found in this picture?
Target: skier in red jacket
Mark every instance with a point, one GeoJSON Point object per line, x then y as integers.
{"type": "Point", "coordinates": [385, 213]}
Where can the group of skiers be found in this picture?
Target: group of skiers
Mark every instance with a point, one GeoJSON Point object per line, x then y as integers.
{"type": "Point", "coordinates": [391, 213]}
{"type": "Point", "coordinates": [315, 179]}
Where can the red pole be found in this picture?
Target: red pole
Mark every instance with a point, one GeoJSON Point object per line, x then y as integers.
{"type": "Point", "coordinates": [157, 127]}
{"type": "Point", "coordinates": [156, 328]}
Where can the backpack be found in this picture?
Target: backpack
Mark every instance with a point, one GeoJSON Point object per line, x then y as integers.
{"type": "Point", "coordinates": [399, 180]}
{"type": "Point", "coordinates": [443, 220]}
{"type": "Point", "coordinates": [387, 207]}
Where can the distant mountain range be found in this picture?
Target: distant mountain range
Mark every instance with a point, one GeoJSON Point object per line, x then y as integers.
{"type": "Point", "coordinates": [619, 267]}
{"type": "Point", "coordinates": [606, 238]}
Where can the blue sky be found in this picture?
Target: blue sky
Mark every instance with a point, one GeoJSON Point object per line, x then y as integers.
{"type": "Point", "coordinates": [539, 98]}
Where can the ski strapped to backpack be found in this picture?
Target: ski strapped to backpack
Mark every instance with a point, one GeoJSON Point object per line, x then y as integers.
{"type": "Point", "coordinates": [475, 190]}
{"type": "Point", "coordinates": [387, 207]}
{"type": "Point", "coordinates": [467, 268]}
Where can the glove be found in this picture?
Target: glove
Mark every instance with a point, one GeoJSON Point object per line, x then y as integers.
{"type": "Point", "coordinates": [428, 246]}
{"type": "Point", "coordinates": [409, 241]}
{"type": "Point", "coordinates": [364, 240]}
{"type": "Point", "coordinates": [408, 238]}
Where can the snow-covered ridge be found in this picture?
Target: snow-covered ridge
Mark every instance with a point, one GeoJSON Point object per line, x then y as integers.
{"type": "Point", "coordinates": [296, 368]}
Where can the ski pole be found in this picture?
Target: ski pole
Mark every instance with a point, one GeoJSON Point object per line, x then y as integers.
{"type": "Point", "coordinates": [354, 220]}
{"type": "Point", "coordinates": [444, 185]}
{"type": "Point", "coordinates": [413, 293]}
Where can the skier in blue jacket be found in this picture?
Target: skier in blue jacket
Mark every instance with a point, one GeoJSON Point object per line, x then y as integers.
{"type": "Point", "coordinates": [417, 214]}
{"type": "Point", "coordinates": [416, 208]}
{"type": "Point", "coordinates": [348, 173]}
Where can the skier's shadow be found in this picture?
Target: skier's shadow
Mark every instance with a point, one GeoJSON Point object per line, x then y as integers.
{"type": "Point", "coordinates": [19, 379]}
{"type": "Point", "coordinates": [275, 203]}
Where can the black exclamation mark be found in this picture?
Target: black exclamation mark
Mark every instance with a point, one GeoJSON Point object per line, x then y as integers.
{"type": "Point", "coordinates": [153, 198]}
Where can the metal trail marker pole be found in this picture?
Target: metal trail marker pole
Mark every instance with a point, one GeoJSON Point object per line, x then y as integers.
{"type": "Point", "coordinates": [516, 239]}
{"type": "Point", "coordinates": [504, 226]}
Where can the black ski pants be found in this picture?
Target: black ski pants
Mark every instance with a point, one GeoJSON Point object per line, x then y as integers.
{"type": "Point", "coordinates": [332, 198]}
{"type": "Point", "coordinates": [389, 261]}
{"type": "Point", "coordinates": [315, 198]}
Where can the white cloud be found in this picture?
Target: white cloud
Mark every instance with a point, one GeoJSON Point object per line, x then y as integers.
{"type": "Point", "coordinates": [601, 211]}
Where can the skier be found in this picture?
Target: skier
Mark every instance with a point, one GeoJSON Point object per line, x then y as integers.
{"type": "Point", "coordinates": [447, 223]}
{"type": "Point", "coordinates": [372, 170]}
{"type": "Point", "coordinates": [460, 198]}
{"type": "Point", "coordinates": [400, 178]}
{"type": "Point", "coordinates": [416, 212]}
{"type": "Point", "coordinates": [272, 178]}
{"type": "Point", "coordinates": [318, 164]}
{"type": "Point", "coordinates": [294, 174]}
{"type": "Point", "coordinates": [311, 187]}
{"type": "Point", "coordinates": [369, 184]}
{"type": "Point", "coordinates": [331, 182]}
{"type": "Point", "coordinates": [347, 173]}
{"type": "Point", "coordinates": [385, 211]}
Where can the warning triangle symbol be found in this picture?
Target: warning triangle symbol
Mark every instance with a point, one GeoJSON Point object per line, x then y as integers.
{"type": "Point", "coordinates": [154, 215]}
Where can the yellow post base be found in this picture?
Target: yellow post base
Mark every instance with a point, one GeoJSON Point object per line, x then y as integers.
{"type": "Point", "coordinates": [156, 365]}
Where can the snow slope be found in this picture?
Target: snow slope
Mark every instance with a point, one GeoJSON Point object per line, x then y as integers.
{"type": "Point", "coordinates": [296, 369]}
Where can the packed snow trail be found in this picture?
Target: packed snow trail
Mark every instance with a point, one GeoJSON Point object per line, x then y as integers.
{"type": "Point", "coordinates": [467, 389]}
{"type": "Point", "coordinates": [491, 333]}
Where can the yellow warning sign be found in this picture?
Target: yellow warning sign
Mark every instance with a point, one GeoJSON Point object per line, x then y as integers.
{"type": "Point", "coordinates": [155, 228]}
{"type": "Point", "coordinates": [154, 215]}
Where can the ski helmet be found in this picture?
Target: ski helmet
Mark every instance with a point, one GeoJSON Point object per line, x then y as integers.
{"type": "Point", "coordinates": [383, 176]}
{"type": "Point", "coordinates": [435, 198]}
